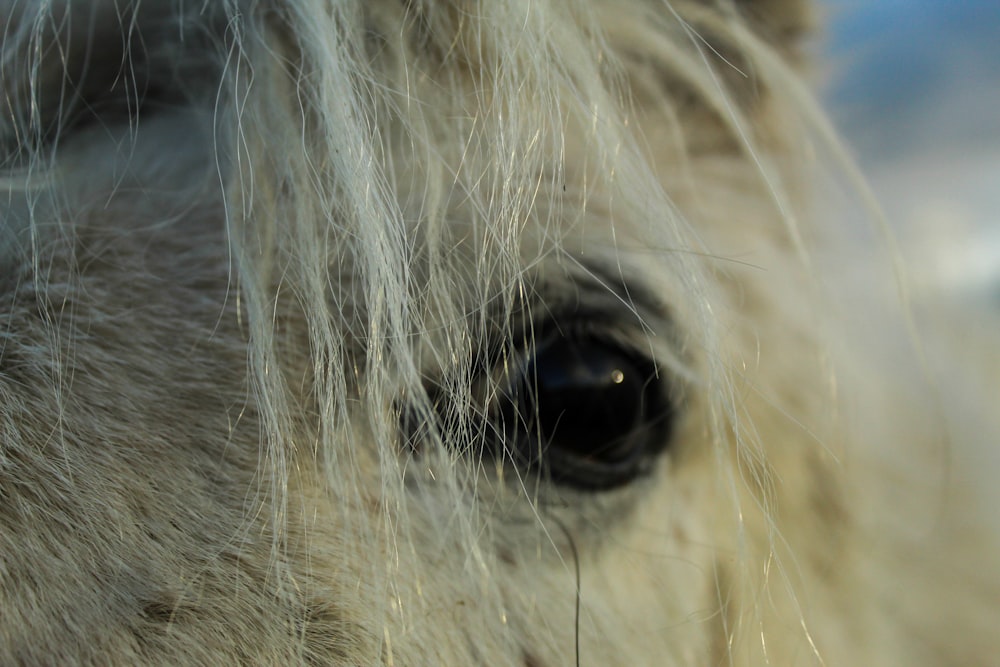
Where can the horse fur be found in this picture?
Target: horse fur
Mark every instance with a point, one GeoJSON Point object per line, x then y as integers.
{"type": "Point", "coordinates": [259, 261]}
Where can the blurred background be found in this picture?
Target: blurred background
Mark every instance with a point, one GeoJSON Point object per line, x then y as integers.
{"type": "Point", "coordinates": [914, 85]}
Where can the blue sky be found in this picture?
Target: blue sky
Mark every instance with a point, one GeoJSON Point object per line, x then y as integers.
{"type": "Point", "coordinates": [905, 66]}
{"type": "Point", "coordinates": [915, 88]}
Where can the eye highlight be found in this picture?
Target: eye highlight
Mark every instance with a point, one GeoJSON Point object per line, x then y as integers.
{"type": "Point", "coordinates": [585, 410]}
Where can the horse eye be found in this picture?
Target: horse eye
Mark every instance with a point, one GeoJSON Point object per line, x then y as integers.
{"type": "Point", "coordinates": [586, 411]}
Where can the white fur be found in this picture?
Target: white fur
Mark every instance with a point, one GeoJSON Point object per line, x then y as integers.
{"type": "Point", "coordinates": [254, 252]}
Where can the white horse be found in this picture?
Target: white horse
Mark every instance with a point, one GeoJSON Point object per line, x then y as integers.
{"type": "Point", "coordinates": [463, 332]}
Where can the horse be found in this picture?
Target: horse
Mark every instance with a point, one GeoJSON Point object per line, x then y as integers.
{"type": "Point", "coordinates": [454, 332]}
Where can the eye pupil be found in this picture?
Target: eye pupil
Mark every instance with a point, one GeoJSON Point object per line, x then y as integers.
{"type": "Point", "coordinates": [587, 397]}
{"type": "Point", "coordinates": [587, 411]}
